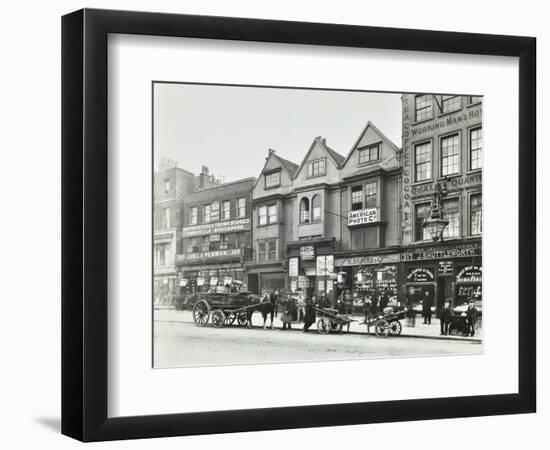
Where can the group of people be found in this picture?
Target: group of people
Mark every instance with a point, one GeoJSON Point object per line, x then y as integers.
{"type": "Point", "coordinates": [470, 318]}
{"type": "Point", "coordinates": [296, 309]}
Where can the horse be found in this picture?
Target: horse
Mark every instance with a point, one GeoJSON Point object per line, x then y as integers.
{"type": "Point", "coordinates": [265, 308]}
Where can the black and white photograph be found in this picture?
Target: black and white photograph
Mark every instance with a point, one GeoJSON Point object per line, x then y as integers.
{"type": "Point", "coordinates": [302, 225]}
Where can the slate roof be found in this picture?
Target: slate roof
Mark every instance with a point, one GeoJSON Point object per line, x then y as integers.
{"type": "Point", "coordinates": [289, 166]}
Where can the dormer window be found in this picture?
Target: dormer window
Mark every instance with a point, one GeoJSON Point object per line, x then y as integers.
{"type": "Point", "coordinates": [369, 154]}
{"type": "Point", "coordinates": [272, 179]}
{"type": "Point", "coordinates": [316, 168]}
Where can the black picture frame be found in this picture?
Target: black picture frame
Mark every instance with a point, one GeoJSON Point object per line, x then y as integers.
{"type": "Point", "coordinates": [84, 224]}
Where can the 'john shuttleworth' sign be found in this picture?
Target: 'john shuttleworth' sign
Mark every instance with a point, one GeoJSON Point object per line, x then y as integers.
{"type": "Point", "coordinates": [231, 253]}
{"type": "Point", "coordinates": [362, 216]}
{"type": "Point", "coordinates": [227, 226]}
{"type": "Point", "coordinates": [459, 251]}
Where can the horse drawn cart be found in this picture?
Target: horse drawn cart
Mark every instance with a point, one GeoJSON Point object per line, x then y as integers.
{"type": "Point", "coordinates": [223, 309]}
{"type": "Point", "coordinates": [387, 323]}
{"type": "Point", "coordinates": [330, 320]}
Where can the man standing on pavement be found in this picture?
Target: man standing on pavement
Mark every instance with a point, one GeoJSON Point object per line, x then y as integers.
{"type": "Point", "coordinates": [471, 318]}
{"type": "Point", "coordinates": [301, 307]}
{"type": "Point", "coordinates": [427, 303]}
{"type": "Point", "coordinates": [445, 318]}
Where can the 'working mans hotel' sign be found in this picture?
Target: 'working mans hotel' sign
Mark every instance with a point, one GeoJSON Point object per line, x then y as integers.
{"type": "Point", "coordinates": [362, 216]}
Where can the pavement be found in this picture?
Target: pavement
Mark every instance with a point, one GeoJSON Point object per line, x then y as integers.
{"type": "Point", "coordinates": [420, 330]}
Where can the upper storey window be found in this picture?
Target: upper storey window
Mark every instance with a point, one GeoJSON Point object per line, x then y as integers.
{"type": "Point", "coordinates": [423, 107]}
{"type": "Point", "coordinates": [369, 154]}
{"type": "Point", "coordinates": [316, 168]}
{"type": "Point", "coordinates": [272, 179]}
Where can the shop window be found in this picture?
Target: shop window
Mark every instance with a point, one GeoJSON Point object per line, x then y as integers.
{"type": "Point", "coordinates": [370, 194]}
{"type": "Point", "coordinates": [369, 154]}
{"type": "Point", "coordinates": [272, 180]}
{"type": "Point", "coordinates": [423, 161]}
{"type": "Point", "coordinates": [450, 155]}
{"type": "Point", "coordinates": [304, 210]}
{"type": "Point", "coordinates": [241, 207]}
{"type": "Point", "coordinates": [476, 217]}
{"type": "Point", "coordinates": [215, 212]}
{"type": "Point", "coordinates": [452, 215]}
{"type": "Point", "coordinates": [194, 216]}
{"type": "Point", "coordinates": [316, 208]}
{"type": "Point", "coordinates": [206, 213]}
{"type": "Point", "coordinates": [421, 213]}
{"type": "Point", "coordinates": [476, 148]}
{"type": "Point", "coordinates": [316, 168]}
{"type": "Point", "coordinates": [356, 198]}
{"type": "Point", "coordinates": [166, 217]}
{"type": "Point", "coordinates": [423, 107]}
{"type": "Point", "coordinates": [450, 103]}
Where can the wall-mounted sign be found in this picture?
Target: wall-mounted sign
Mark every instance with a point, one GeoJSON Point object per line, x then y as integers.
{"type": "Point", "coordinates": [214, 238]}
{"type": "Point", "coordinates": [234, 252]}
{"type": "Point", "coordinates": [293, 267]}
{"type": "Point", "coordinates": [444, 268]}
{"type": "Point", "coordinates": [307, 252]}
{"type": "Point", "coordinates": [470, 274]}
{"type": "Point", "coordinates": [362, 216]}
{"type": "Point", "coordinates": [227, 226]}
{"type": "Point", "coordinates": [293, 285]}
{"type": "Point", "coordinates": [325, 265]}
{"type": "Point", "coordinates": [227, 281]}
{"type": "Point", "coordinates": [420, 275]}
{"type": "Point", "coordinates": [442, 252]}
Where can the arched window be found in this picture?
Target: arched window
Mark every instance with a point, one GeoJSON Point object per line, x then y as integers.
{"type": "Point", "coordinates": [304, 210]}
{"type": "Point", "coordinates": [316, 208]}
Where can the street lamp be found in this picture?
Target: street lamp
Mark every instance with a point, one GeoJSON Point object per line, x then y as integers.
{"type": "Point", "coordinates": [436, 223]}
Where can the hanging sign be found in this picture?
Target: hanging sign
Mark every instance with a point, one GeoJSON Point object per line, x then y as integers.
{"type": "Point", "coordinates": [362, 216]}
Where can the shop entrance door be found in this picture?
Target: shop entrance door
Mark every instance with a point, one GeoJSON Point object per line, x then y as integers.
{"type": "Point", "coordinates": [444, 291]}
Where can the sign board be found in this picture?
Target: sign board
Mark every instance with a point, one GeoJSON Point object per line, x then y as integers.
{"type": "Point", "coordinates": [227, 280]}
{"type": "Point", "coordinates": [293, 267]}
{"type": "Point", "coordinates": [307, 252]}
{"type": "Point", "coordinates": [213, 281]}
{"type": "Point", "coordinates": [214, 238]}
{"type": "Point", "coordinates": [226, 226]}
{"type": "Point", "coordinates": [362, 216]}
{"type": "Point", "coordinates": [200, 281]}
{"type": "Point", "coordinates": [293, 285]}
{"type": "Point", "coordinates": [470, 274]}
{"type": "Point", "coordinates": [234, 252]}
{"type": "Point", "coordinates": [325, 265]}
{"type": "Point", "coordinates": [420, 275]}
{"type": "Point", "coordinates": [445, 268]}
{"type": "Point", "coordinates": [442, 252]}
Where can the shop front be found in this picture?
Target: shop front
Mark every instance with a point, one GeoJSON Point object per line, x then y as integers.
{"type": "Point", "coordinates": [446, 272]}
{"type": "Point", "coordinates": [311, 269]}
{"type": "Point", "coordinates": [210, 273]}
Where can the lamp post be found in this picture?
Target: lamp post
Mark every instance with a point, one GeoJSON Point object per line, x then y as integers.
{"type": "Point", "coordinates": [436, 223]}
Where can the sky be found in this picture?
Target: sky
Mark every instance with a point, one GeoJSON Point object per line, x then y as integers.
{"type": "Point", "coordinates": [230, 128]}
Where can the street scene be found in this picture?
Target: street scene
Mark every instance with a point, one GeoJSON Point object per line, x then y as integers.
{"type": "Point", "coordinates": [294, 249]}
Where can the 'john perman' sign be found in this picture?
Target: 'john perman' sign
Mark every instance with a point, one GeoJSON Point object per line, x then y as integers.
{"type": "Point", "coordinates": [362, 216]}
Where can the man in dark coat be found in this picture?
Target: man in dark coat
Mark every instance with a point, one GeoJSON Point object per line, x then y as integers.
{"type": "Point", "coordinates": [309, 317]}
{"type": "Point", "coordinates": [384, 300]}
{"type": "Point", "coordinates": [288, 312]}
{"type": "Point", "coordinates": [427, 303]}
{"type": "Point", "coordinates": [471, 318]}
{"type": "Point", "coordinates": [445, 315]}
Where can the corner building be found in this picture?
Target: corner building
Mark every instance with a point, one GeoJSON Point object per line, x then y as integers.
{"type": "Point", "coordinates": [442, 143]}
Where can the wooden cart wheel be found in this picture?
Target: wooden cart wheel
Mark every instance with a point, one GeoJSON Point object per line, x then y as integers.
{"type": "Point", "coordinates": [382, 328]}
{"type": "Point", "coordinates": [201, 313]}
{"type": "Point", "coordinates": [242, 319]}
{"type": "Point", "coordinates": [323, 325]}
{"type": "Point", "coordinates": [229, 319]}
{"type": "Point", "coordinates": [218, 318]}
{"type": "Point", "coordinates": [395, 327]}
